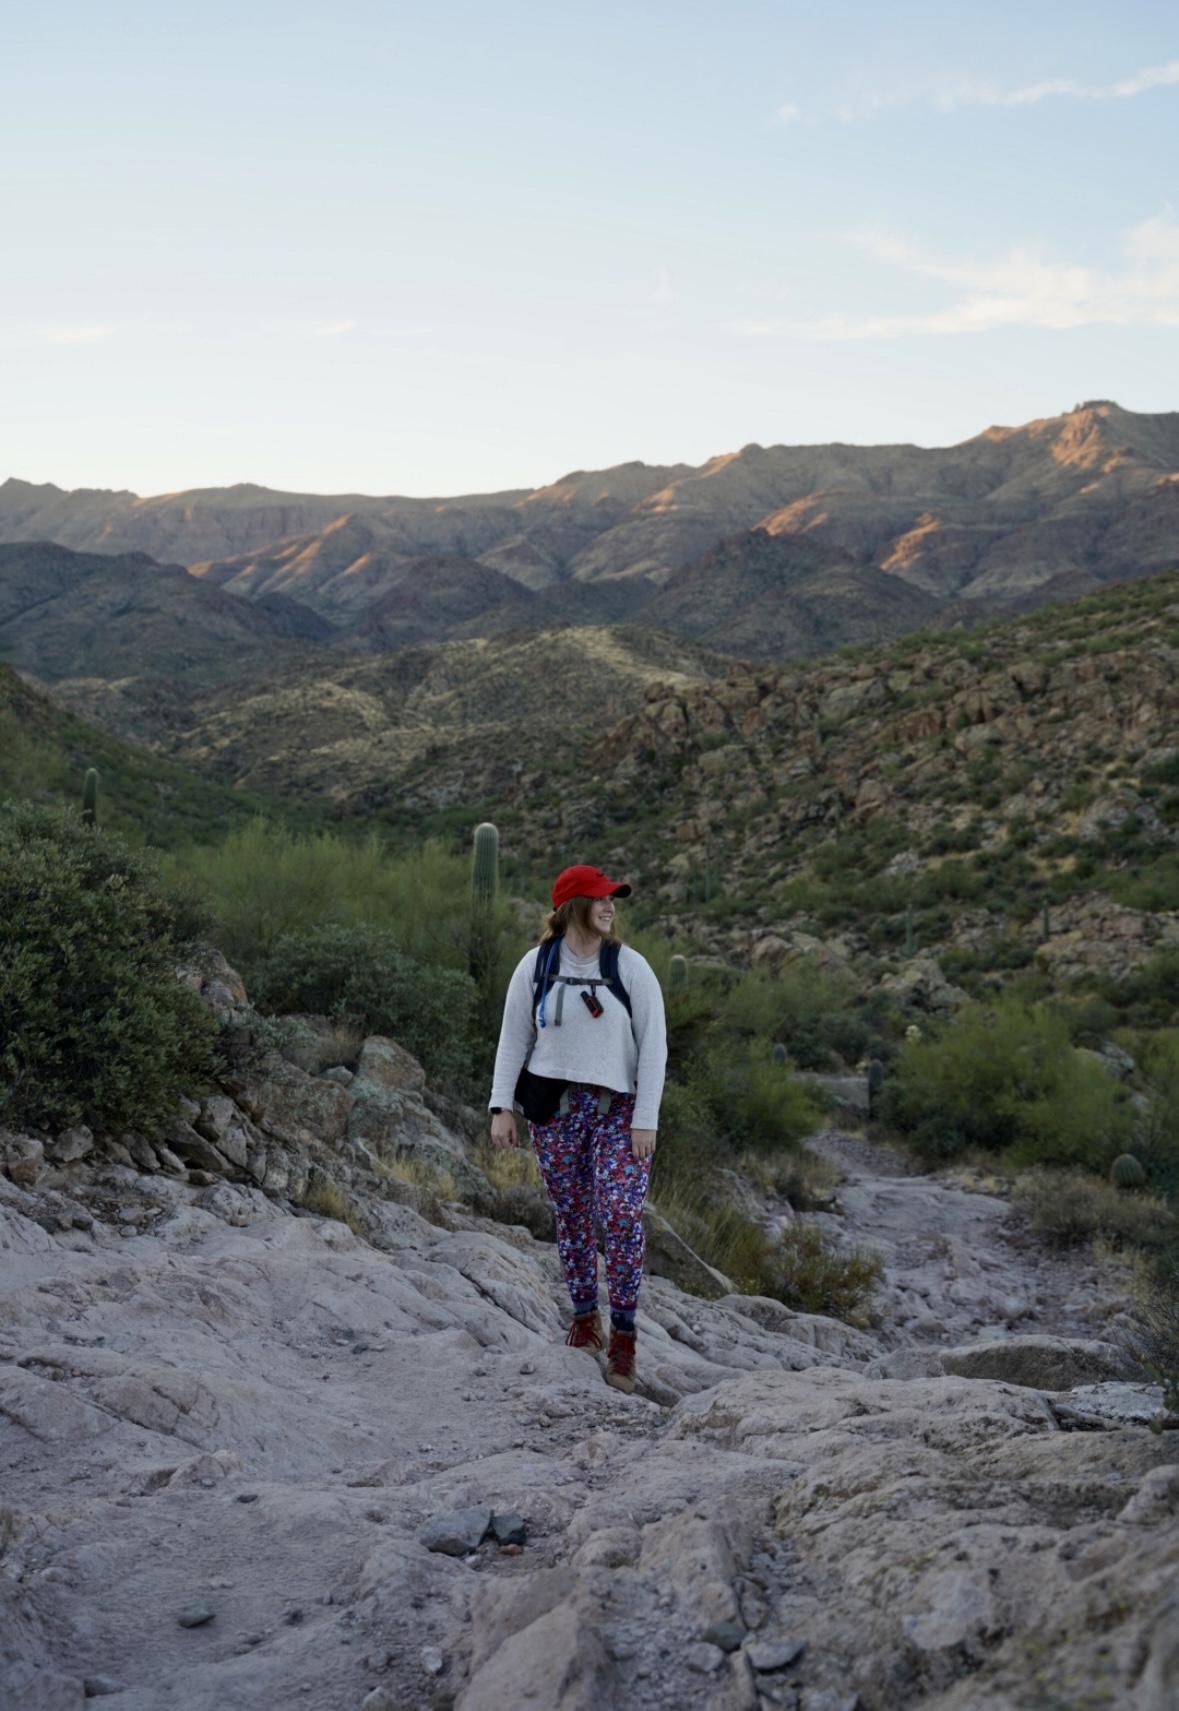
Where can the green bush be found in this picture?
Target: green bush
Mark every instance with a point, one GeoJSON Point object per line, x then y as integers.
{"type": "Point", "coordinates": [807, 1009]}
{"type": "Point", "coordinates": [754, 1101]}
{"type": "Point", "coordinates": [362, 973]}
{"type": "Point", "coordinates": [95, 1028]}
{"type": "Point", "coordinates": [1005, 1077]}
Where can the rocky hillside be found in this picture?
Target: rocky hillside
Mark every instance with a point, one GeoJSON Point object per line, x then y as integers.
{"type": "Point", "coordinates": [46, 751]}
{"type": "Point", "coordinates": [344, 731]}
{"type": "Point", "coordinates": [258, 1454]}
{"type": "Point", "coordinates": [90, 615]}
{"type": "Point", "coordinates": [823, 544]}
{"type": "Point", "coordinates": [948, 792]}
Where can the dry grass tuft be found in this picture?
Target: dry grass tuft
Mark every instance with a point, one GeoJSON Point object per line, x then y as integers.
{"type": "Point", "coordinates": [1072, 1207]}
{"type": "Point", "coordinates": [326, 1200]}
{"type": "Point", "coordinates": [508, 1167]}
{"type": "Point", "coordinates": [416, 1172]}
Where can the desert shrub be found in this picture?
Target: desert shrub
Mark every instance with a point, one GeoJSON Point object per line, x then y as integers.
{"type": "Point", "coordinates": [1072, 1207]}
{"type": "Point", "coordinates": [1005, 1077]}
{"type": "Point", "coordinates": [808, 1009]}
{"type": "Point", "coordinates": [95, 1027]}
{"type": "Point", "coordinates": [754, 1101]}
{"type": "Point", "coordinates": [805, 1178]}
{"type": "Point", "coordinates": [362, 973]}
{"type": "Point", "coordinates": [266, 883]}
{"type": "Point", "coordinates": [807, 1271]}
{"type": "Point", "coordinates": [689, 1143]}
{"type": "Point", "coordinates": [1157, 1140]}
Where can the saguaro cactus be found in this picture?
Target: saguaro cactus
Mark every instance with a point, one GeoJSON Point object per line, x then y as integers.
{"type": "Point", "coordinates": [484, 886]}
{"type": "Point", "coordinates": [485, 866]}
{"type": "Point", "coordinates": [677, 974]}
{"type": "Point", "coordinates": [90, 798]}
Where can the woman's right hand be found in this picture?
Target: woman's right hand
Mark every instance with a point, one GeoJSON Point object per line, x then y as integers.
{"type": "Point", "coordinates": [503, 1129]}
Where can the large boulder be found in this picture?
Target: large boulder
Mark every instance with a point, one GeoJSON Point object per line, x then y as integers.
{"type": "Point", "coordinates": [921, 985]}
{"type": "Point", "coordinates": [292, 1106]}
{"type": "Point", "coordinates": [1041, 1363]}
{"type": "Point", "coordinates": [387, 1064]}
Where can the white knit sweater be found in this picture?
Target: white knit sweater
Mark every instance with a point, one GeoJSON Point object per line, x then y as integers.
{"type": "Point", "coordinates": [625, 1053]}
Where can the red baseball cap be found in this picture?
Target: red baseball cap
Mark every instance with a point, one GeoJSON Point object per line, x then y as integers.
{"type": "Point", "coordinates": [586, 882]}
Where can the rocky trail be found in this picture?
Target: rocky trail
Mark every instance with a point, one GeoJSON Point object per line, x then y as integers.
{"type": "Point", "coordinates": [253, 1460]}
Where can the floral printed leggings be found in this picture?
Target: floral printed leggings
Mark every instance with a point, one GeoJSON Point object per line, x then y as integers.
{"type": "Point", "coordinates": [589, 1171]}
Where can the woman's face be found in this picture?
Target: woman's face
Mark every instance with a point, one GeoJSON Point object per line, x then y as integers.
{"type": "Point", "coordinates": [602, 915]}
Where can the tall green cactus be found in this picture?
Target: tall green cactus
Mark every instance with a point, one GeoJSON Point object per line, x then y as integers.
{"type": "Point", "coordinates": [90, 798]}
{"type": "Point", "coordinates": [484, 888]}
{"type": "Point", "coordinates": [779, 1054]}
{"type": "Point", "coordinates": [910, 935]}
{"type": "Point", "coordinates": [485, 866]}
{"type": "Point", "coordinates": [677, 974]}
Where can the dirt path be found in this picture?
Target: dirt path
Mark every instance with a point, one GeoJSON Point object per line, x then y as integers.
{"type": "Point", "coordinates": [959, 1265]}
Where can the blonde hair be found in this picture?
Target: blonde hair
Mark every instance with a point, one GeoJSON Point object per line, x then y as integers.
{"type": "Point", "coordinates": [577, 911]}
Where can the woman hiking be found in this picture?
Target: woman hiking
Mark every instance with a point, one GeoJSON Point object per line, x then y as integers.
{"type": "Point", "coordinates": [582, 1052]}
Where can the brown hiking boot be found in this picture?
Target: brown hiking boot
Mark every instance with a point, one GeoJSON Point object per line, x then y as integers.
{"type": "Point", "coordinates": [586, 1333]}
{"type": "Point", "coordinates": [620, 1361]}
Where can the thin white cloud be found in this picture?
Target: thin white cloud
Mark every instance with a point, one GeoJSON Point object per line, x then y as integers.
{"type": "Point", "coordinates": [1019, 289]}
{"type": "Point", "coordinates": [328, 329]}
{"type": "Point", "coordinates": [787, 114]}
{"type": "Point", "coordinates": [1154, 77]}
{"type": "Point", "coordinates": [84, 333]}
{"type": "Point", "coordinates": [950, 96]}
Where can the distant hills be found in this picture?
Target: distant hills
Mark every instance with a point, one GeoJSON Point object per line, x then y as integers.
{"type": "Point", "coordinates": [779, 552]}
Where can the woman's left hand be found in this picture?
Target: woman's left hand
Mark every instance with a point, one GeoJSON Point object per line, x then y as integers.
{"type": "Point", "coordinates": [642, 1142]}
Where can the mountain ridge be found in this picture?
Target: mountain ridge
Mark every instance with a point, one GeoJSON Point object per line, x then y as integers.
{"type": "Point", "coordinates": [1093, 493]}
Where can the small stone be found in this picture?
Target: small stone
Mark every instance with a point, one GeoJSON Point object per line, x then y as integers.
{"type": "Point", "coordinates": [195, 1616]}
{"type": "Point", "coordinates": [727, 1635]}
{"type": "Point", "coordinates": [705, 1659]}
{"type": "Point", "coordinates": [73, 1144]}
{"type": "Point", "coordinates": [457, 1533]}
{"type": "Point", "coordinates": [528, 1368]}
{"type": "Point", "coordinates": [769, 1655]}
{"type": "Point", "coordinates": [208, 1483]}
{"type": "Point", "coordinates": [99, 1686]}
{"type": "Point", "coordinates": [511, 1550]}
{"type": "Point", "coordinates": [293, 1618]}
{"type": "Point", "coordinates": [432, 1660]}
{"type": "Point", "coordinates": [380, 1699]}
{"type": "Point", "coordinates": [247, 1497]}
{"type": "Point", "coordinates": [509, 1529]}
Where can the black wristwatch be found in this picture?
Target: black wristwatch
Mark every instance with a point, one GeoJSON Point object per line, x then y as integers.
{"type": "Point", "coordinates": [495, 1110]}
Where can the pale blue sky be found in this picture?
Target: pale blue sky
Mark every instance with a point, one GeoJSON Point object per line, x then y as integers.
{"type": "Point", "coordinates": [462, 246]}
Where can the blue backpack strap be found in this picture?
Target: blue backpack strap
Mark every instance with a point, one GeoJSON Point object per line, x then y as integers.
{"type": "Point", "coordinates": [608, 969]}
{"type": "Point", "coordinates": [546, 966]}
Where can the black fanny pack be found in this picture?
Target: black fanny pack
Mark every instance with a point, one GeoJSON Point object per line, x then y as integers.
{"type": "Point", "coordinates": [539, 1096]}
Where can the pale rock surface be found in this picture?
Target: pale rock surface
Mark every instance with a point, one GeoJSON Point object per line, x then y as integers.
{"type": "Point", "coordinates": [210, 1399]}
